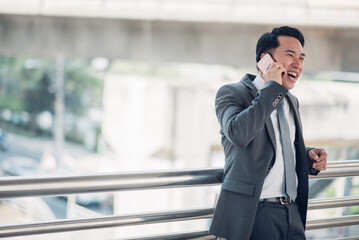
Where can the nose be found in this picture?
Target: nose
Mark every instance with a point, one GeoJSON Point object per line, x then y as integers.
{"type": "Point", "coordinates": [297, 63]}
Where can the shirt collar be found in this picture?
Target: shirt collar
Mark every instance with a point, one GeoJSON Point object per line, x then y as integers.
{"type": "Point", "coordinates": [259, 82]}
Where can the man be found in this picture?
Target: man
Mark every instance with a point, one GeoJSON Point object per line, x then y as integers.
{"type": "Point", "coordinates": [264, 193]}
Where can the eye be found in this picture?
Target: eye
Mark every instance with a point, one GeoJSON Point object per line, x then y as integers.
{"type": "Point", "coordinates": [289, 54]}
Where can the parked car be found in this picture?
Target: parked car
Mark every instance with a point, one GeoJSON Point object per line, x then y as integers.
{"type": "Point", "coordinates": [20, 166]}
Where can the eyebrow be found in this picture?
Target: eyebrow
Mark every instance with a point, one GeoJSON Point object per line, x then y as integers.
{"type": "Point", "coordinates": [292, 51]}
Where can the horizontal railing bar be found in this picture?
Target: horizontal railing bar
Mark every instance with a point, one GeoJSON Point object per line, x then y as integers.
{"type": "Point", "coordinates": [333, 202]}
{"type": "Point", "coordinates": [333, 222]}
{"type": "Point", "coordinates": [102, 222]}
{"type": "Point", "coordinates": [11, 187]}
{"type": "Point", "coordinates": [350, 238]}
{"type": "Point", "coordinates": [137, 219]}
{"type": "Point", "coordinates": [203, 235]}
{"type": "Point", "coordinates": [343, 164]}
{"type": "Point", "coordinates": [193, 235]}
{"type": "Point", "coordinates": [337, 172]}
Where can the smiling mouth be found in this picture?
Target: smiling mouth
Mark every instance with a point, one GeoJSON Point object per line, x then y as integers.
{"type": "Point", "coordinates": [292, 75]}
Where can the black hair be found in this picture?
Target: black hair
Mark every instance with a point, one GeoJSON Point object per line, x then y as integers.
{"type": "Point", "coordinates": [270, 41]}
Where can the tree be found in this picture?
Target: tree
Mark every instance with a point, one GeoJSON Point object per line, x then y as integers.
{"type": "Point", "coordinates": [28, 85]}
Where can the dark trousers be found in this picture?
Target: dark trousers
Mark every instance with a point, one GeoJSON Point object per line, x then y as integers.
{"type": "Point", "coordinates": [277, 222]}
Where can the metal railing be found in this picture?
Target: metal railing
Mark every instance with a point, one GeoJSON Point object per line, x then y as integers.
{"type": "Point", "coordinates": [13, 187]}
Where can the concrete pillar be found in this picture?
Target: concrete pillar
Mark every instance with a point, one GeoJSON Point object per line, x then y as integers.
{"type": "Point", "coordinates": [59, 109]}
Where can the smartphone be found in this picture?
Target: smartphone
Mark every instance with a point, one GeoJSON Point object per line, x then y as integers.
{"type": "Point", "coordinates": [264, 62]}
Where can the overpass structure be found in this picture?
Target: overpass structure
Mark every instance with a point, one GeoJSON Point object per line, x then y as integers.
{"type": "Point", "coordinates": [202, 31]}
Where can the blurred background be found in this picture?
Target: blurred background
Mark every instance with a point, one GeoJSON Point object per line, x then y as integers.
{"type": "Point", "coordinates": [90, 86]}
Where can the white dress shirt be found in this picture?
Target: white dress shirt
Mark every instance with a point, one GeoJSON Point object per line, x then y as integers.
{"type": "Point", "coordinates": [274, 182]}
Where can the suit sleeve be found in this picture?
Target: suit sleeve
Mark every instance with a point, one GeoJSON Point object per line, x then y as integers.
{"type": "Point", "coordinates": [240, 121]}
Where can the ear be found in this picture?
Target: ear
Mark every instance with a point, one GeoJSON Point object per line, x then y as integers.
{"type": "Point", "coordinates": [263, 54]}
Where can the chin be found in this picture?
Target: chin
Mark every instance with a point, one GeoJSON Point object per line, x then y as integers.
{"type": "Point", "coordinates": [289, 86]}
{"type": "Point", "coordinates": [290, 83]}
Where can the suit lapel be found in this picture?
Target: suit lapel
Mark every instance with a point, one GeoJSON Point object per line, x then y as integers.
{"type": "Point", "coordinates": [301, 152]}
{"type": "Point", "coordinates": [270, 130]}
{"type": "Point", "coordinates": [293, 106]}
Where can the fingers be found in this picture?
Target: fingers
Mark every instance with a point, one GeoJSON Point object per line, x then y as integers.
{"type": "Point", "coordinates": [313, 155]}
{"type": "Point", "coordinates": [321, 153]}
{"type": "Point", "coordinates": [276, 66]}
{"type": "Point", "coordinates": [319, 158]}
{"type": "Point", "coordinates": [320, 164]}
{"type": "Point", "coordinates": [274, 72]}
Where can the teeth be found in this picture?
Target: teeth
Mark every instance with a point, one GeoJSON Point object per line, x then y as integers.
{"type": "Point", "coordinates": [292, 73]}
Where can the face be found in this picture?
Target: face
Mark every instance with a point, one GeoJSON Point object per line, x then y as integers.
{"type": "Point", "coordinates": [290, 54]}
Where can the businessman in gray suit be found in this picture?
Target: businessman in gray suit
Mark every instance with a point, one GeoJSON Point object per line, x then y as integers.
{"type": "Point", "coordinates": [264, 193]}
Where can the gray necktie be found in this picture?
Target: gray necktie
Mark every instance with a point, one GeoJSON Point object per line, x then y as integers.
{"type": "Point", "coordinates": [288, 155]}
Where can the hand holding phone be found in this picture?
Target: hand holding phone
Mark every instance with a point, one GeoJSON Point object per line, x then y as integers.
{"type": "Point", "coordinates": [271, 70]}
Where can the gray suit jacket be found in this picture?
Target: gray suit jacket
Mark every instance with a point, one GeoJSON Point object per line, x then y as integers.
{"type": "Point", "coordinates": [249, 147]}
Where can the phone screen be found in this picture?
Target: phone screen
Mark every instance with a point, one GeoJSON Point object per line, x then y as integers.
{"type": "Point", "coordinates": [264, 62]}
